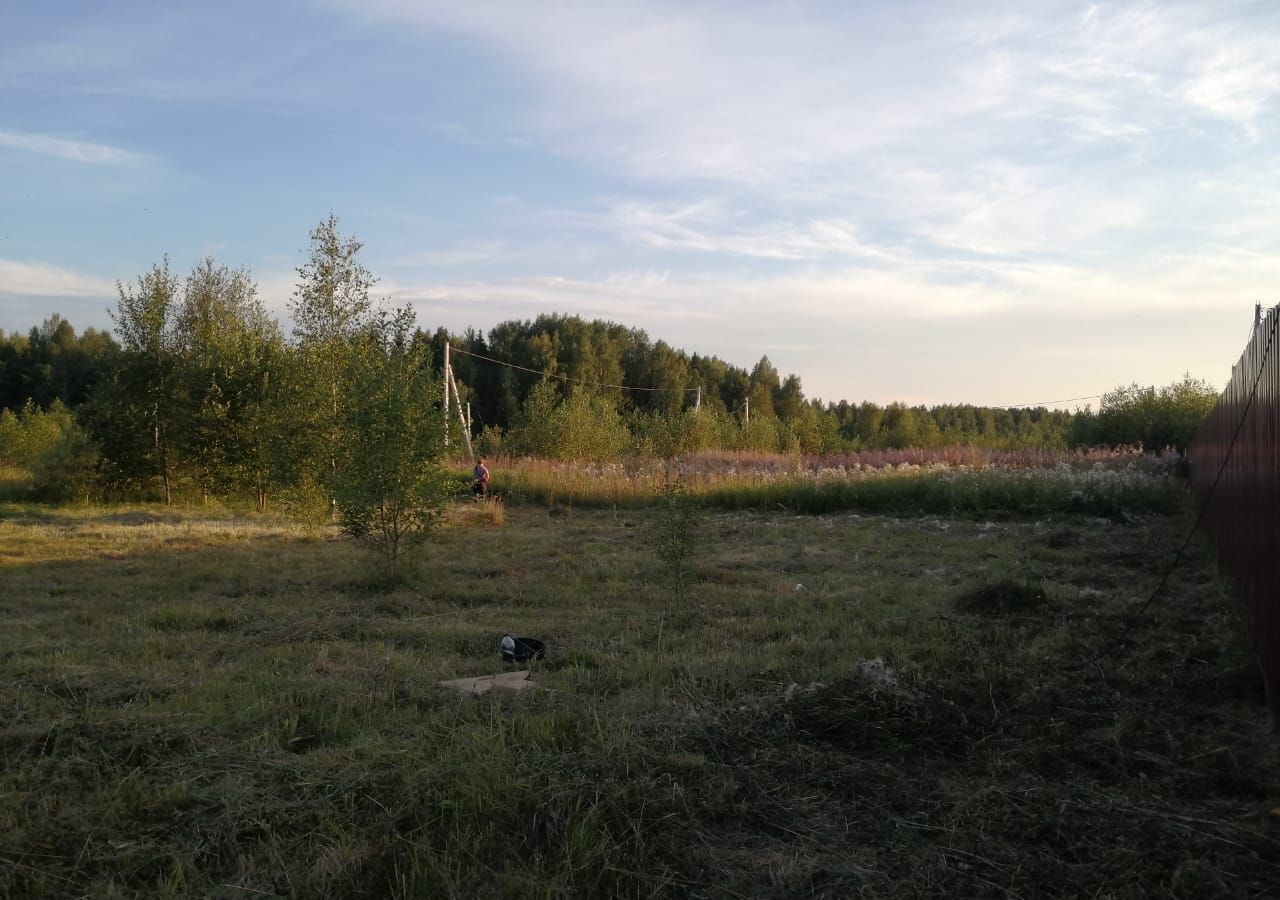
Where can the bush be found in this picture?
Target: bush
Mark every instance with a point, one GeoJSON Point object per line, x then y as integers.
{"type": "Point", "coordinates": [64, 470]}
{"type": "Point", "coordinates": [1148, 417]}
{"type": "Point", "coordinates": [583, 426]}
{"type": "Point", "coordinates": [675, 533]}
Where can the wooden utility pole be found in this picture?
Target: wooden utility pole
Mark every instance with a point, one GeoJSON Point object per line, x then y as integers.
{"type": "Point", "coordinates": [462, 419]}
{"type": "Point", "coordinates": [448, 377]}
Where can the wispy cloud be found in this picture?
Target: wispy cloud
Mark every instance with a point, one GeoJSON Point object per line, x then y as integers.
{"type": "Point", "coordinates": [19, 278]}
{"type": "Point", "coordinates": [78, 151]}
{"type": "Point", "coordinates": [1033, 125]}
{"type": "Point", "coordinates": [710, 226]}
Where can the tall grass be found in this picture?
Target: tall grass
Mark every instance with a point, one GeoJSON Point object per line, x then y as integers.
{"type": "Point", "coordinates": [958, 480]}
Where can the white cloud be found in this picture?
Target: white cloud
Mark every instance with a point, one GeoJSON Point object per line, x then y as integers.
{"type": "Point", "coordinates": [63, 148]}
{"type": "Point", "coordinates": [708, 226]}
{"type": "Point", "coordinates": [42, 280]}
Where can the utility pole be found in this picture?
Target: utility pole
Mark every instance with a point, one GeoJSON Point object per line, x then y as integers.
{"type": "Point", "coordinates": [697, 399]}
{"type": "Point", "coordinates": [462, 419]}
{"type": "Point", "coordinates": [448, 378]}
{"type": "Point", "coordinates": [746, 409]}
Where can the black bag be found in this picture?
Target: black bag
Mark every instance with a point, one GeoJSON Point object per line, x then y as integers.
{"type": "Point", "coordinates": [523, 649]}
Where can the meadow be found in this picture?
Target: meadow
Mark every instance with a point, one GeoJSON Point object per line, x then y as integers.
{"type": "Point", "coordinates": [952, 687]}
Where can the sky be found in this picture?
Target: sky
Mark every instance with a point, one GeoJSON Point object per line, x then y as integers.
{"type": "Point", "coordinates": [991, 203]}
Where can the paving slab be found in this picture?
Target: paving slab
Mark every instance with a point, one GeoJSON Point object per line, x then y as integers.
{"type": "Point", "coordinates": [481, 684]}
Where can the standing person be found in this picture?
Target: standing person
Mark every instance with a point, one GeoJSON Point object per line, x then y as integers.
{"type": "Point", "coordinates": [481, 486]}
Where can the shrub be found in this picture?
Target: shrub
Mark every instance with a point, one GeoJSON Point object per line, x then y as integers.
{"type": "Point", "coordinates": [63, 471]}
{"type": "Point", "coordinates": [674, 535]}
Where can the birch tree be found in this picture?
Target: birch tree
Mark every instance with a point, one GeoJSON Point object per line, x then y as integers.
{"type": "Point", "coordinates": [389, 485]}
{"type": "Point", "coordinates": [330, 307]}
{"type": "Point", "coordinates": [138, 409]}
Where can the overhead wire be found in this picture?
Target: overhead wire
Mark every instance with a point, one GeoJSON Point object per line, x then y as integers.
{"type": "Point", "coordinates": [1045, 402]}
{"type": "Point", "coordinates": [630, 387]}
{"type": "Point", "coordinates": [582, 381]}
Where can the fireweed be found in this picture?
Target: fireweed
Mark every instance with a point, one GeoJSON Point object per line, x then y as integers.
{"type": "Point", "coordinates": [957, 480]}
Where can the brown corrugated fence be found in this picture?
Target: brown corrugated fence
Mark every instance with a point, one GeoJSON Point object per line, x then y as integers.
{"type": "Point", "coordinates": [1242, 515]}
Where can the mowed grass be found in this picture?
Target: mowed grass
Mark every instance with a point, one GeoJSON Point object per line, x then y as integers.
{"type": "Point", "coordinates": [202, 704]}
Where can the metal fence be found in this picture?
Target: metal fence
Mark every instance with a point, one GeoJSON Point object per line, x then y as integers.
{"type": "Point", "coordinates": [1242, 515]}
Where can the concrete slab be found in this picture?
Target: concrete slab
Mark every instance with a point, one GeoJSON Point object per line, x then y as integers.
{"type": "Point", "coordinates": [516, 681]}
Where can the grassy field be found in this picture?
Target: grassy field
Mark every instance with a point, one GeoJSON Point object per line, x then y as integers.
{"type": "Point", "coordinates": [199, 703]}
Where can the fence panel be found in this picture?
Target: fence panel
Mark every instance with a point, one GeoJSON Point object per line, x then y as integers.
{"type": "Point", "coordinates": [1242, 517]}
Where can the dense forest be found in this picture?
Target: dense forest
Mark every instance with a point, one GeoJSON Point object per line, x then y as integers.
{"type": "Point", "coordinates": [200, 388]}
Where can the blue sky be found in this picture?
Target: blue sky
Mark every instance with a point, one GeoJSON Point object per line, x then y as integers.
{"type": "Point", "coordinates": [995, 203]}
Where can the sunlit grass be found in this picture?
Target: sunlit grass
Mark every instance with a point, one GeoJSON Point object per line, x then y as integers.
{"type": "Point", "coordinates": [1028, 483]}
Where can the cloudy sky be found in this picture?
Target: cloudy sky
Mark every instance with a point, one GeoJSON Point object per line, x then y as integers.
{"type": "Point", "coordinates": [996, 203]}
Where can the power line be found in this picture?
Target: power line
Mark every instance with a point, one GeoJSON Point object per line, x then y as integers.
{"type": "Point", "coordinates": [1121, 390]}
{"type": "Point", "coordinates": [624, 387]}
{"type": "Point", "coordinates": [628, 387]}
{"type": "Point", "coordinates": [1046, 402]}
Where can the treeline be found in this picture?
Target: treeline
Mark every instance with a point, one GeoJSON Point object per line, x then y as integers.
{"type": "Point", "coordinates": [52, 363]}
{"type": "Point", "coordinates": [738, 409]}
{"type": "Point", "coordinates": [201, 391]}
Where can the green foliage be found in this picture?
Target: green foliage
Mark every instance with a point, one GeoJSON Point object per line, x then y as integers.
{"type": "Point", "coordinates": [584, 426]}
{"type": "Point", "coordinates": [535, 432]}
{"type": "Point", "coordinates": [137, 409]}
{"type": "Point", "coordinates": [65, 470]}
{"type": "Point", "coordinates": [58, 454]}
{"type": "Point", "coordinates": [590, 428]}
{"type": "Point", "coordinates": [764, 435]}
{"type": "Point", "coordinates": [674, 533]}
{"type": "Point", "coordinates": [388, 482]}
{"type": "Point", "coordinates": [228, 348]}
{"type": "Point", "coordinates": [31, 432]}
{"type": "Point", "coordinates": [52, 363]}
{"type": "Point", "coordinates": [10, 438]}
{"type": "Point", "coordinates": [1151, 417]}
{"type": "Point", "coordinates": [331, 301]}
{"type": "Point", "coordinates": [490, 441]}
{"type": "Point", "coordinates": [331, 308]}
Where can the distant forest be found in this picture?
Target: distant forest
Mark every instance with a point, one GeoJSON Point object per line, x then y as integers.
{"type": "Point", "coordinates": [199, 384]}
